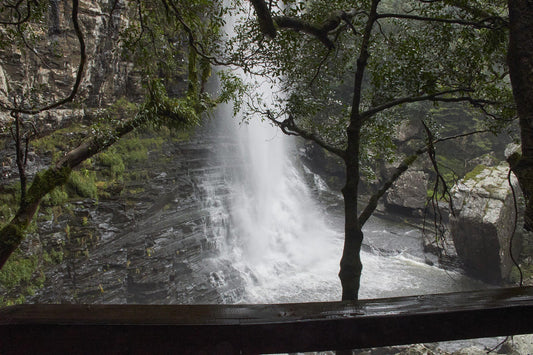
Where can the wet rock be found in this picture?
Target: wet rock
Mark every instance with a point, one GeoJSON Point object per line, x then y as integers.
{"type": "Point", "coordinates": [408, 130]}
{"type": "Point", "coordinates": [518, 344]}
{"type": "Point", "coordinates": [483, 223]}
{"type": "Point", "coordinates": [153, 246]}
{"type": "Point", "coordinates": [323, 163]}
{"type": "Point", "coordinates": [488, 159]}
{"type": "Point", "coordinates": [408, 192]}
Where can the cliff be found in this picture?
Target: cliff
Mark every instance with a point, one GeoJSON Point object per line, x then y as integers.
{"type": "Point", "coordinates": [45, 71]}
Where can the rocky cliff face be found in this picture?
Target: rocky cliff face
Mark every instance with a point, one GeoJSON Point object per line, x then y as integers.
{"type": "Point", "coordinates": [47, 73]}
{"type": "Point", "coordinates": [483, 223]}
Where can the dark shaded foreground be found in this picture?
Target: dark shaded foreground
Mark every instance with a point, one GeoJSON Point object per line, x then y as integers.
{"type": "Point", "coordinates": [234, 329]}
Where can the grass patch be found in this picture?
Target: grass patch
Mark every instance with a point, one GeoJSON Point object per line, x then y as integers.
{"type": "Point", "coordinates": [472, 175]}
{"type": "Point", "coordinates": [58, 197]}
{"type": "Point", "coordinates": [60, 140]}
{"type": "Point", "coordinates": [114, 164]}
{"type": "Point", "coordinates": [83, 183]}
{"type": "Point", "coordinates": [17, 270]}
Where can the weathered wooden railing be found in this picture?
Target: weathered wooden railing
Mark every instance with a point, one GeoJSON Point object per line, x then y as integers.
{"type": "Point", "coordinates": [234, 329]}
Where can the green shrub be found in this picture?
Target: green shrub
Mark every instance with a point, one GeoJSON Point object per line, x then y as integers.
{"type": "Point", "coordinates": [17, 270]}
{"type": "Point", "coordinates": [113, 162]}
{"type": "Point", "coordinates": [57, 197]}
{"type": "Point", "coordinates": [83, 183]}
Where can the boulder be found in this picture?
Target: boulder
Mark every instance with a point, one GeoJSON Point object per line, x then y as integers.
{"type": "Point", "coordinates": [483, 222]}
{"type": "Point", "coordinates": [408, 192]}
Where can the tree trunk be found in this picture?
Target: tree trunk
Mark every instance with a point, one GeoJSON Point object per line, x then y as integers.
{"type": "Point", "coordinates": [520, 60]}
{"type": "Point", "coordinates": [12, 234]}
{"type": "Point", "coordinates": [351, 266]}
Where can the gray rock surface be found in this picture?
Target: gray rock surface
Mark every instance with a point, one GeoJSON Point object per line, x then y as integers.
{"type": "Point", "coordinates": [409, 191]}
{"type": "Point", "coordinates": [155, 246]}
{"type": "Point", "coordinates": [483, 222]}
{"type": "Point", "coordinates": [107, 74]}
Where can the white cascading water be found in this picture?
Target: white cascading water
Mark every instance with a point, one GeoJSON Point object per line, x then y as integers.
{"type": "Point", "coordinates": [281, 243]}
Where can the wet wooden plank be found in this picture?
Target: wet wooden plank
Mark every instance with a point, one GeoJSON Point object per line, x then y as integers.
{"type": "Point", "coordinates": [233, 329]}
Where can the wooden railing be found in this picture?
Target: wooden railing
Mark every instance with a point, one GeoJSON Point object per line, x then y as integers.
{"type": "Point", "coordinates": [252, 329]}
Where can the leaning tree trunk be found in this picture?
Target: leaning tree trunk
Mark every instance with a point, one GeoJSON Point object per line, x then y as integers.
{"type": "Point", "coordinates": [520, 60]}
{"type": "Point", "coordinates": [12, 234]}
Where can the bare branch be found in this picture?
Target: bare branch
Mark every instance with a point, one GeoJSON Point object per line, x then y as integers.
{"type": "Point", "coordinates": [27, 45]}
{"type": "Point", "coordinates": [440, 178]}
{"type": "Point", "coordinates": [461, 135]}
{"type": "Point", "coordinates": [373, 202]}
{"type": "Point", "coordinates": [20, 19]}
{"type": "Point", "coordinates": [404, 165]}
{"type": "Point", "coordinates": [197, 46]}
{"type": "Point", "coordinates": [319, 68]}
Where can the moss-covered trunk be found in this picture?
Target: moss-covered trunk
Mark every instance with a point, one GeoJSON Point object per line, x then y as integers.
{"type": "Point", "coordinates": [12, 234]}
{"type": "Point", "coordinates": [520, 60]}
{"type": "Point", "coordinates": [44, 182]}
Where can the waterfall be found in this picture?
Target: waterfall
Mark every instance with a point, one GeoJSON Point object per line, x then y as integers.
{"type": "Point", "coordinates": [276, 236]}
{"type": "Point", "coordinates": [284, 246]}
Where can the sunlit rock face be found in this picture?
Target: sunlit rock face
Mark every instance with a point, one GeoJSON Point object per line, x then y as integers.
{"type": "Point", "coordinates": [483, 222]}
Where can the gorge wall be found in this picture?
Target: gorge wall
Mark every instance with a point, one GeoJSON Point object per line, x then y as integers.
{"type": "Point", "coordinates": [47, 72]}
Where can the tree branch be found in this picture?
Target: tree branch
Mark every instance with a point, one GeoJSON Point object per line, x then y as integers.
{"type": "Point", "coordinates": [440, 178]}
{"type": "Point", "coordinates": [12, 234]}
{"type": "Point", "coordinates": [197, 46]}
{"type": "Point", "coordinates": [20, 20]}
{"type": "Point", "coordinates": [404, 165]}
{"type": "Point", "coordinates": [432, 97]}
{"type": "Point", "coordinates": [492, 22]}
{"type": "Point", "coordinates": [373, 202]}
{"type": "Point", "coordinates": [264, 17]}
{"type": "Point", "coordinates": [320, 32]}
{"type": "Point", "coordinates": [290, 128]}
